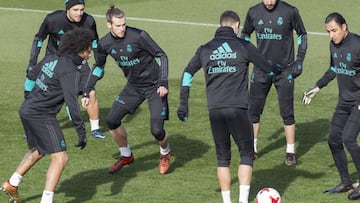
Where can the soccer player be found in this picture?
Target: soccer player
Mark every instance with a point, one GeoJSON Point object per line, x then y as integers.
{"type": "Point", "coordinates": [54, 26]}
{"type": "Point", "coordinates": [345, 124]}
{"type": "Point", "coordinates": [145, 66]}
{"type": "Point", "coordinates": [274, 22]}
{"type": "Point", "coordinates": [225, 60]}
{"type": "Point", "coordinates": [57, 83]}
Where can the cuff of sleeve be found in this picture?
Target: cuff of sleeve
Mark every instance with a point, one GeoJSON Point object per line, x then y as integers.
{"type": "Point", "coordinates": [164, 84]}
{"type": "Point", "coordinates": [29, 85]}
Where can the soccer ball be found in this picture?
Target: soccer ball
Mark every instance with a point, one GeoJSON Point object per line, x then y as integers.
{"type": "Point", "coordinates": [268, 195]}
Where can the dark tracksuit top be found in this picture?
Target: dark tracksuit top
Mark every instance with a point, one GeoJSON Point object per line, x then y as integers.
{"type": "Point", "coordinates": [58, 82]}
{"type": "Point", "coordinates": [225, 60]}
{"type": "Point", "coordinates": [274, 32]}
{"type": "Point", "coordinates": [143, 62]}
{"type": "Point", "coordinates": [345, 66]}
{"type": "Point", "coordinates": [55, 25]}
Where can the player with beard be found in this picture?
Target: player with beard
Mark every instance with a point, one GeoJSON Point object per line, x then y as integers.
{"type": "Point", "coordinates": [274, 23]}
{"type": "Point", "coordinates": [145, 66]}
{"type": "Point", "coordinates": [225, 60]}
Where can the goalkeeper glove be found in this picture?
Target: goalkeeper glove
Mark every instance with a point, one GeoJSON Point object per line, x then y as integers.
{"type": "Point", "coordinates": [81, 142]}
{"type": "Point", "coordinates": [183, 112]}
{"type": "Point", "coordinates": [309, 94]}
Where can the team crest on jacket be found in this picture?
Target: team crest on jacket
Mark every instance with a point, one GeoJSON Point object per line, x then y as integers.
{"type": "Point", "coordinates": [280, 21]}
{"type": "Point", "coordinates": [348, 57]}
{"type": "Point", "coordinates": [129, 48]}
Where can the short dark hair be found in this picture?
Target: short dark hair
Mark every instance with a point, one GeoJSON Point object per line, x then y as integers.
{"type": "Point", "coordinates": [229, 16]}
{"type": "Point", "coordinates": [114, 12]}
{"type": "Point", "coordinates": [76, 41]}
{"type": "Point", "coordinates": [337, 17]}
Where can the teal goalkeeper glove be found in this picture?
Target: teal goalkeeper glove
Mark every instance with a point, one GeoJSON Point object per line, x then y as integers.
{"type": "Point", "coordinates": [309, 94]}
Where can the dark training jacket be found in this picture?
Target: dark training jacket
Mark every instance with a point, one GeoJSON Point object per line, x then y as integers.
{"type": "Point", "coordinates": [56, 82]}
{"type": "Point", "coordinates": [142, 61]}
{"type": "Point", "coordinates": [54, 26]}
{"type": "Point", "coordinates": [225, 60]}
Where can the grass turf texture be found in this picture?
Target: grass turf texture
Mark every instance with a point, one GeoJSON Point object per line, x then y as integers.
{"type": "Point", "coordinates": [192, 176]}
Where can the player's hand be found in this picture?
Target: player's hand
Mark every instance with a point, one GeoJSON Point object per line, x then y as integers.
{"type": "Point", "coordinates": [81, 142]}
{"type": "Point", "coordinates": [182, 112]}
{"type": "Point", "coordinates": [162, 91]}
{"type": "Point", "coordinates": [26, 94]}
{"type": "Point", "coordinates": [276, 70]}
{"type": "Point", "coordinates": [297, 68]}
{"type": "Point", "coordinates": [85, 102]}
{"type": "Point", "coordinates": [309, 94]}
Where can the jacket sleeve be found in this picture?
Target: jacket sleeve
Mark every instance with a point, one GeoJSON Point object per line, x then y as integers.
{"type": "Point", "coordinates": [186, 80]}
{"type": "Point", "coordinates": [97, 71]}
{"type": "Point", "coordinates": [160, 56]}
{"type": "Point", "coordinates": [302, 36]}
{"type": "Point", "coordinates": [96, 38]}
{"type": "Point", "coordinates": [70, 86]}
{"type": "Point", "coordinates": [248, 27]}
{"type": "Point", "coordinates": [38, 42]}
{"type": "Point", "coordinates": [328, 76]}
{"type": "Point", "coordinates": [31, 75]}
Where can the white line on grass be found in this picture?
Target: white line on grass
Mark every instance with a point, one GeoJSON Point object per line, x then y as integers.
{"type": "Point", "coordinates": [138, 19]}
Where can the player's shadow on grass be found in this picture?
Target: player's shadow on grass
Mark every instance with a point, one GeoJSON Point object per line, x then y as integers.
{"type": "Point", "coordinates": [307, 135]}
{"type": "Point", "coordinates": [83, 186]}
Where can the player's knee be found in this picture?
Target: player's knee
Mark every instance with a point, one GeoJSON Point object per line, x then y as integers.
{"type": "Point", "coordinates": [247, 160]}
{"type": "Point", "coordinates": [335, 147]}
{"type": "Point", "coordinates": [247, 153]}
{"type": "Point", "coordinates": [158, 133]}
{"type": "Point", "coordinates": [112, 123]}
{"type": "Point", "coordinates": [254, 118]}
{"type": "Point", "coordinates": [223, 157]}
{"type": "Point", "coordinates": [224, 162]}
{"type": "Point", "coordinates": [288, 119]}
{"type": "Point", "coordinates": [61, 158]}
{"type": "Point", "coordinates": [157, 129]}
{"type": "Point", "coordinates": [335, 140]}
{"type": "Point", "coordinates": [256, 107]}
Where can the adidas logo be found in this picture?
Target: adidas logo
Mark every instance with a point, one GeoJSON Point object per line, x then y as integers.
{"type": "Point", "coordinates": [261, 22]}
{"type": "Point", "coordinates": [113, 51]}
{"type": "Point", "coordinates": [223, 52]}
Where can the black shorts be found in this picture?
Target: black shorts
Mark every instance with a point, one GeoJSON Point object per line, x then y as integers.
{"type": "Point", "coordinates": [260, 85]}
{"type": "Point", "coordinates": [131, 97]}
{"type": "Point", "coordinates": [232, 121]}
{"type": "Point", "coordinates": [44, 134]}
